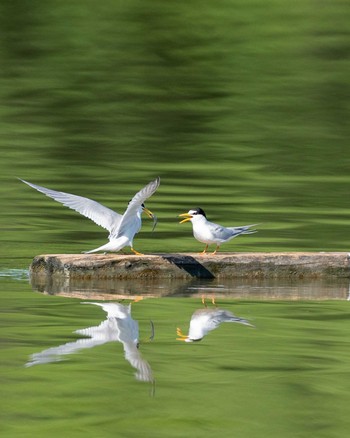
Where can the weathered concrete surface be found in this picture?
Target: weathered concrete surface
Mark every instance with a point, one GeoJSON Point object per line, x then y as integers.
{"type": "Point", "coordinates": [186, 266]}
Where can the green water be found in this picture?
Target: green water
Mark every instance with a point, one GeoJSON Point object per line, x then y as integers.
{"type": "Point", "coordinates": [242, 108]}
{"type": "Point", "coordinates": [288, 377]}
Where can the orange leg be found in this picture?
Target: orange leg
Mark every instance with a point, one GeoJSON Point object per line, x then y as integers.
{"type": "Point", "coordinates": [212, 300]}
{"type": "Point", "coordinates": [136, 252]}
{"type": "Point", "coordinates": [204, 250]}
{"type": "Point", "coordinates": [216, 249]}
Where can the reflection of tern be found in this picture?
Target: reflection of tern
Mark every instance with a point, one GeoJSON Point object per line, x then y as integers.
{"type": "Point", "coordinates": [205, 320]}
{"type": "Point", "coordinates": [118, 327]}
{"type": "Point", "coordinates": [122, 228]}
{"type": "Point", "coordinates": [208, 232]}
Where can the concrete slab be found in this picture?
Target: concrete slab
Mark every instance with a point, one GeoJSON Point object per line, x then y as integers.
{"type": "Point", "coordinates": [187, 266]}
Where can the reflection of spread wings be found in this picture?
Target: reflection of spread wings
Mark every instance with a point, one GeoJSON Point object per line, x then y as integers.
{"type": "Point", "coordinates": [117, 328]}
{"type": "Point", "coordinates": [99, 335]}
{"type": "Point", "coordinates": [144, 371]}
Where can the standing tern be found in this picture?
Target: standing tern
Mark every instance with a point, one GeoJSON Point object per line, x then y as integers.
{"type": "Point", "coordinates": [208, 232]}
{"type": "Point", "coordinates": [207, 319]}
{"type": "Point", "coordinates": [122, 228]}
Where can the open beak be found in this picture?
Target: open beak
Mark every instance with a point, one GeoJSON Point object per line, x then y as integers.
{"type": "Point", "coordinates": [187, 217]}
{"type": "Point", "coordinates": [152, 216]}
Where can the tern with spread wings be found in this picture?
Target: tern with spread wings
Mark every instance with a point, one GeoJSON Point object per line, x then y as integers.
{"type": "Point", "coordinates": [122, 228]}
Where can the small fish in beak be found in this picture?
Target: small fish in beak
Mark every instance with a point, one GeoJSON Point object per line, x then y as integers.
{"type": "Point", "coordinates": [151, 216]}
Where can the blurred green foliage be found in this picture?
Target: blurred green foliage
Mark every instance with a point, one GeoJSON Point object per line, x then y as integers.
{"type": "Point", "coordinates": [241, 107]}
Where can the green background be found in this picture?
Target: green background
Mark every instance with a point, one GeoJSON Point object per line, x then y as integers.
{"type": "Point", "coordinates": [242, 108]}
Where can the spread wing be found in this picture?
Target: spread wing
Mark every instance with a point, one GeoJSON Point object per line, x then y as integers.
{"type": "Point", "coordinates": [144, 371]}
{"type": "Point", "coordinates": [113, 310]}
{"type": "Point", "coordinates": [136, 203]}
{"type": "Point", "coordinates": [98, 213]}
{"type": "Point", "coordinates": [54, 354]}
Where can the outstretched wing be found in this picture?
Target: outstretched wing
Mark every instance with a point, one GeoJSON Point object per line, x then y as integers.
{"type": "Point", "coordinates": [136, 203]}
{"type": "Point", "coordinates": [54, 354]}
{"type": "Point", "coordinates": [98, 213]}
{"type": "Point", "coordinates": [113, 310]}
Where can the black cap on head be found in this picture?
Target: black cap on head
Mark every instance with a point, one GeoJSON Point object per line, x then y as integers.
{"type": "Point", "coordinates": [199, 211]}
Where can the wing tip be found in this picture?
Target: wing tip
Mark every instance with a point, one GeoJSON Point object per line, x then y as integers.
{"type": "Point", "coordinates": [157, 181]}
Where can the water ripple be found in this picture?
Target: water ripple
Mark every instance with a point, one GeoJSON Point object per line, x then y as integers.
{"type": "Point", "coordinates": [16, 274]}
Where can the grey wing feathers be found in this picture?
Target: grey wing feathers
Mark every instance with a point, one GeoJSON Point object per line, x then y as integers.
{"type": "Point", "coordinates": [227, 316]}
{"type": "Point", "coordinates": [243, 230]}
{"type": "Point", "coordinates": [143, 194]}
{"type": "Point", "coordinates": [224, 233]}
{"type": "Point", "coordinates": [113, 310]}
{"type": "Point", "coordinates": [137, 201]}
{"type": "Point", "coordinates": [98, 213]}
{"type": "Point", "coordinates": [214, 322]}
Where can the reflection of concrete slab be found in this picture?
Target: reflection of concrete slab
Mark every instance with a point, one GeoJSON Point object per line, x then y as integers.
{"type": "Point", "coordinates": [242, 288]}
{"type": "Point", "coordinates": [187, 266]}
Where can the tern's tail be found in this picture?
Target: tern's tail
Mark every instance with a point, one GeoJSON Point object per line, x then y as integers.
{"type": "Point", "coordinates": [227, 316]}
{"type": "Point", "coordinates": [101, 248]}
{"type": "Point", "coordinates": [110, 246]}
{"type": "Point", "coordinates": [241, 321]}
{"type": "Point", "coordinates": [246, 229]}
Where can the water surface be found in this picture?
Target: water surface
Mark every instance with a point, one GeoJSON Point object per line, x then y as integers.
{"type": "Point", "coordinates": [242, 109]}
{"type": "Point", "coordinates": [287, 376]}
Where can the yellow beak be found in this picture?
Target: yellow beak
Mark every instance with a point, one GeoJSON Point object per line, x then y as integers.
{"type": "Point", "coordinates": [187, 216]}
{"type": "Point", "coordinates": [148, 212]}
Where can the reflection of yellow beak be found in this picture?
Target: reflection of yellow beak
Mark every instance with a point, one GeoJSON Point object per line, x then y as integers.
{"type": "Point", "coordinates": [181, 337]}
{"type": "Point", "coordinates": [187, 216]}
